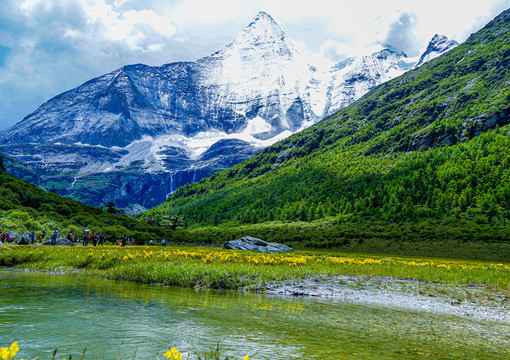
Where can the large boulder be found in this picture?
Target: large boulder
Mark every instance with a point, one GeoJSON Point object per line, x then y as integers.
{"type": "Point", "coordinates": [62, 242]}
{"type": "Point", "coordinates": [254, 244]}
{"type": "Point", "coordinates": [22, 239]}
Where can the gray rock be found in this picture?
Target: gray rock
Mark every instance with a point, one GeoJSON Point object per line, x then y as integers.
{"type": "Point", "coordinates": [22, 239]}
{"type": "Point", "coordinates": [62, 242]}
{"type": "Point", "coordinates": [18, 238]}
{"type": "Point", "coordinates": [254, 244]}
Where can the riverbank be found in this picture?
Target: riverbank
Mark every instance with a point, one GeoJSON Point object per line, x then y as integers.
{"type": "Point", "coordinates": [472, 301]}
{"type": "Point", "coordinates": [467, 288]}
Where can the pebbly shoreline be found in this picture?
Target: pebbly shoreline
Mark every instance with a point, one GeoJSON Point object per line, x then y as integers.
{"type": "Point", "coordinates": [475, 302]}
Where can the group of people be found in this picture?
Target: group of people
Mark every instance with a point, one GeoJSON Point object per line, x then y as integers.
{"type": "Point", "coordinates": [156, 242]}
{"type": "Point", "coordinates": [4, 237]}
{"type": "Point", "coordinates": [96, 239]}
{"type": "Point", "coordinates": [126, 241]}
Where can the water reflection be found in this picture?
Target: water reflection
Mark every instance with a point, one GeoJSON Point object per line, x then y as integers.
{"type": "Point", "coordinates": [109, 318]}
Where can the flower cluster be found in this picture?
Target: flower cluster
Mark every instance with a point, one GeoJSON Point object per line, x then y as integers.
{"type": "Point", "coordinates": [206, 256]}
{"type": "Point", "coordinates": [98, 256]}
{"type": "Point", "coordinates": [9, 353]}
{"type": "Point", "coordinates": [173, 354]}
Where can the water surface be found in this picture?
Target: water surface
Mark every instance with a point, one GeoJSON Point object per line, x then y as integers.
{"type": "Point", "coordinates": [110, 319]}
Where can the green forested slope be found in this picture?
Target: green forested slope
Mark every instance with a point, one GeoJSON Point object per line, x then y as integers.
{"type": "Point", "coordinates": [471, 179]}
{"type": "Point", "coordinates": [432, 144]}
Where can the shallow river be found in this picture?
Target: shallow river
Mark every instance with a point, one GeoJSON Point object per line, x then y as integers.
{"type": "Point", "coordinates": [110, 319]}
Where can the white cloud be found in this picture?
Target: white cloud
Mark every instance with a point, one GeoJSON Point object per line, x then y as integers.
{"type": "Point", "coordinates": [314, 58]}
{"type": "Point", "coordinates": [401, 35]}
{"type": "Point", "coordinates": [104, 21]}
{"type": "Point", "coordinates": [201, 13]}
{"type": "Point", "coordinates": [55, 45]}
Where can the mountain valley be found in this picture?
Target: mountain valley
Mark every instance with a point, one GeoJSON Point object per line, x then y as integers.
{"type": "Point", "coordinates": [135, 135]}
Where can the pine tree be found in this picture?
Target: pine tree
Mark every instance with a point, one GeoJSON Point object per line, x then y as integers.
{"type": "Point", "coordinates": [111, 208]}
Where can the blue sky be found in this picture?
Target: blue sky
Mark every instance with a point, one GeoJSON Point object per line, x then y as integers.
{"type": "Point", "coordinates": [50, 46]}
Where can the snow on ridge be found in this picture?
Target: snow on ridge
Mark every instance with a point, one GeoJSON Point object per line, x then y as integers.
{"type": "Point", "coordinates": [149, 149]}
{"type": "Point", "coordinates": [260, 68]}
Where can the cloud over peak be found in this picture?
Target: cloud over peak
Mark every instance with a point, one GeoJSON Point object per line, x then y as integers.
{"type": "Point", "coordinates": [401, 35]}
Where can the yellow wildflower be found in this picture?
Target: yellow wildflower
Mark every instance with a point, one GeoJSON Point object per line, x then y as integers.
{"type": "Point", "coordinates": [173, 354]}
{"type": "Point", "coordinates": [7, 354]}
{"type": "Point", "coordinates": [247, 357]}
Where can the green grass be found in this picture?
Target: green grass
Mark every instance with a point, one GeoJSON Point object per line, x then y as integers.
{"type": "Point", "coordinates": [227, 269]}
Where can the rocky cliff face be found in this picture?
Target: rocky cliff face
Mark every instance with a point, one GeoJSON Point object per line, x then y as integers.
{"type": "Point", "coordinates": [136, 134]}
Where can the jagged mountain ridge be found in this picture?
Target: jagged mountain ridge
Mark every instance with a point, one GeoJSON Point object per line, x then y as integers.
{"type": "Point", "coordinates": [354, 77]}
{"type": "Point", "coordinates": [160, 122]}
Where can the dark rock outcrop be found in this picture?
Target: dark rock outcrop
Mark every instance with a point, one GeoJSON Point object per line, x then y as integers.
{"type": "Point", "coordinates": [254, 244]}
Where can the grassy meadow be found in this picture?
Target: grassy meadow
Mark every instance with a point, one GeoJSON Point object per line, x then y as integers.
{"type": "Point", "coordinates": [227, 269]}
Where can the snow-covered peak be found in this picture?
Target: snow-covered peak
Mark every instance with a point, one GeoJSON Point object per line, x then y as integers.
{"type": "Point", "coordinates": [169, 123]}
{"type": "Point", "coordinates": [389, 49]}
{"type": "Point", "coordinates": [264, 19]}
{"type": "Point", "coordinates": [262, 36]}
{"type": "Point", "coordinates": [441, 42]}
{"type": "Point", "coordinates": [260, 73]}
{"type": "Point", "coordinates": [437, 46]}
{"type": "Point", "coordinates": [262, 28]}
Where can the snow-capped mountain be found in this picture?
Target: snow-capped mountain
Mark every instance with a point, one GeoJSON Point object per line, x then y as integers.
{"type": "Point", "coordinates": [257, 86]}
{"type": "Point", "coordinates": [437, 46]}
{"type": "Point", "coordinates": [136, 134]}
{"type": "Point", "coordinates": [354, 77]}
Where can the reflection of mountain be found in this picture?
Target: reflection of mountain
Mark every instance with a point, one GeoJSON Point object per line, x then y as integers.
{"type": "Point", "coordinates": [134, 135]}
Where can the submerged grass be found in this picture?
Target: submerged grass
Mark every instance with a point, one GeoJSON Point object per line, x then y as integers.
{"type": "Point", "coordinates": [228, 269]}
